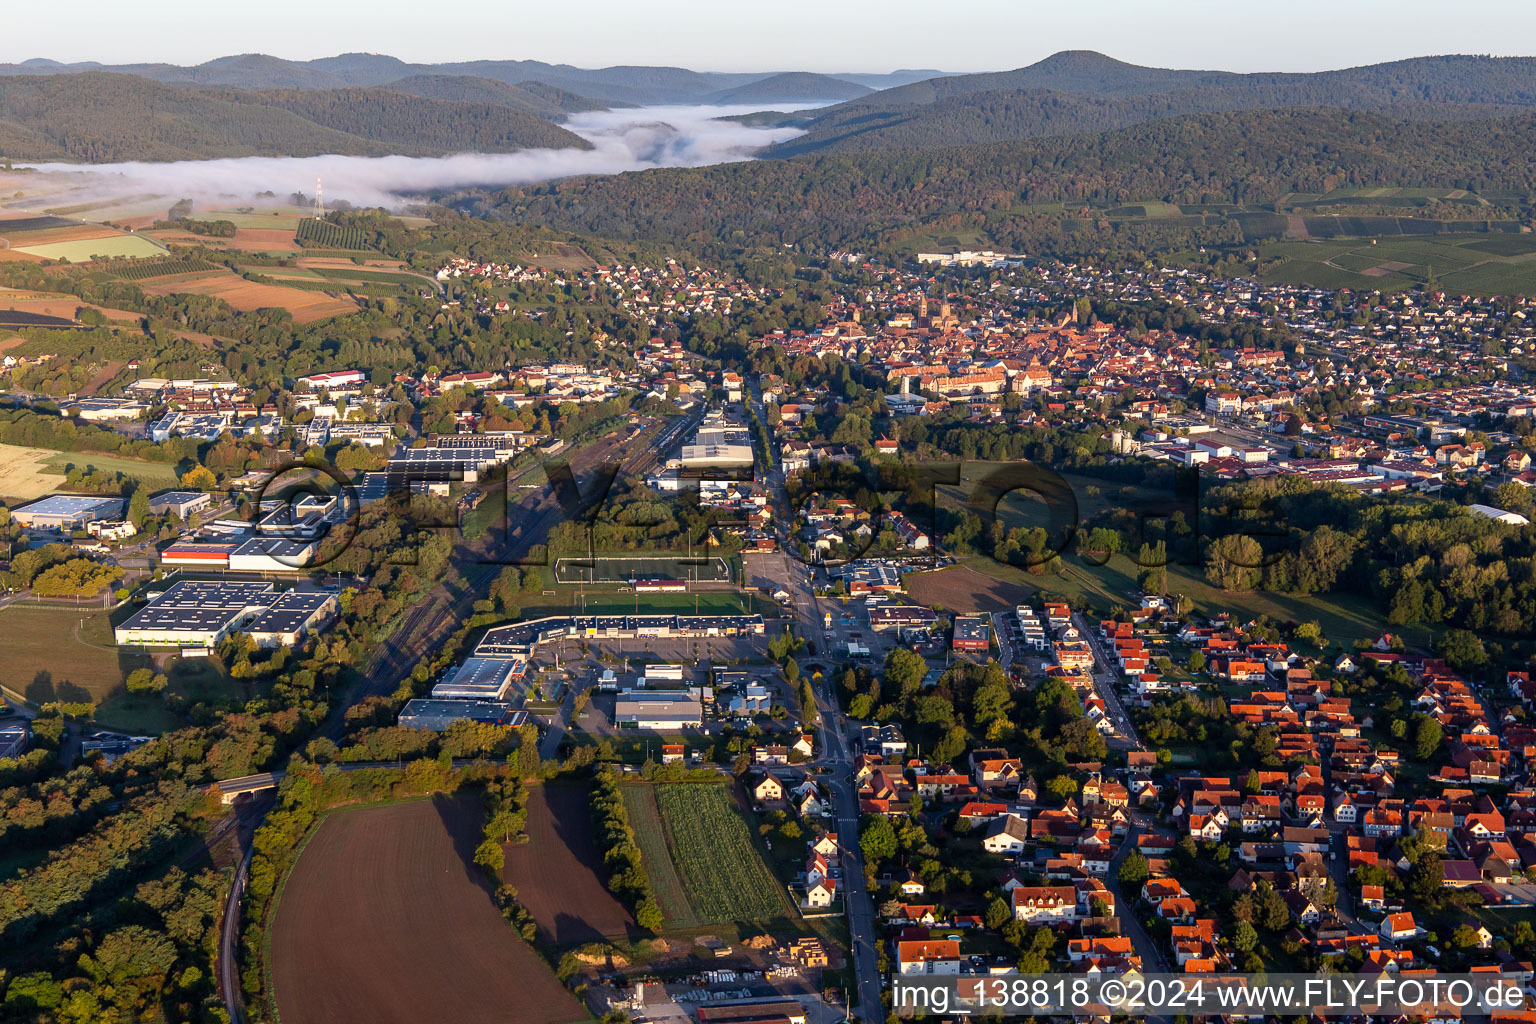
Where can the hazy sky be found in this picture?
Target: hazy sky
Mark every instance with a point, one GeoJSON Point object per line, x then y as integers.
{"type": "Point", "coordinates": [815, 35]}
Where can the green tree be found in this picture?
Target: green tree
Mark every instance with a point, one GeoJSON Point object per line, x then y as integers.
{"type": "Point", "coordinates": [877, 839]}
{"type": "Point", "coordinates": [1463, 650]}
{"type": "Point", "coordinates": [1134, 869]}
{"type": "Point", "coordinates": [138, 507]}
{"type": "Point", "coordinates": [144, 680]}
{"type": "Point", "coordinates": [1426, 738]}
{"type": "Point", "coordinates": [1425, 877]}
{"type": "Point", "coordinates": [904, 672]}
{"type": "Point", "coordinates": [1235, 562]}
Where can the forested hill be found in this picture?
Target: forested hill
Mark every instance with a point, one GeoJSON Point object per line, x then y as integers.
{"type": "Point", "coordinates": [530, 97]}
{"type": "Point", "coordinates": [870, 198]}
{"type": "Point", "coordinates": [792, 87]}
{"type": "Point", "coordinates": [1079, 92]}
{"type": "Point", "coordinates": [102, 117]}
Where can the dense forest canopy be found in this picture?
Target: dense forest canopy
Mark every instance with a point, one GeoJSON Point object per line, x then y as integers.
{"type": "Point", "coordinates": [100, 117]}
{"type": "Point", "coordinates": [872, 198]}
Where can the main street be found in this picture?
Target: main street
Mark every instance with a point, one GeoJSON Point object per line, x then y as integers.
{"type": "Point", "coordinates": [837, 755]}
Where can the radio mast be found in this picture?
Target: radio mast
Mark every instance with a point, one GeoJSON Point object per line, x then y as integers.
{"type": "Point", "coordinates": [319, 210]}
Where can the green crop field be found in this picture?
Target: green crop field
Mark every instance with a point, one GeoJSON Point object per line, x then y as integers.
{"type": "Point", "coordinates": [162, 268]}
{"type": "Point", "coordinates": [1476, 264]}
{"type": "Point", "coordinates": [375, 276]}
{"type": "Point", "coordinates": [86, 249]}
{"type": "Point", "coordinates": [707, 869]}
{"type": "Point", "coordinates": [320, 233]}
{"type": "Point", "coordinates": [152, 474]}
{"type": "Point", "coordinates": [666, 883]}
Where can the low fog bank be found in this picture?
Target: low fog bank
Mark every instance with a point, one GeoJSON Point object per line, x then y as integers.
{"type": "Point", "coordinates": [623, 140]}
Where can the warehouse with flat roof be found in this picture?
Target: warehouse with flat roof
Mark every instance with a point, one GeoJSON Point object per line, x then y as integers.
{"type": "Point", "coordinates": [482, 679]}
{"type": "Point", "coordinates": [196, 612]}
{"type": "Point", "coordinates": [203, 612]}
{"type": "Point", "coordinates": [438, 715]}
{"type": "Point", "coordinates": [658, 709]}
{"type": "Point", "coordinates": [291, 618]}
{"type": "Point", "coordinates": [180, 503]}
{"type": "Point", "coordinates": [67, 512]}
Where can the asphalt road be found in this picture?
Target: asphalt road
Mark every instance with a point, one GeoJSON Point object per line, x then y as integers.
{"type": "Point", "coordinates": [837, 754]}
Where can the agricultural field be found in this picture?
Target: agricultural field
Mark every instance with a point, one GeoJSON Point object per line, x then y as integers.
{"type": "Point", "coordinates": [55, 304]}
{"type": "Point", "coordinates": [87, 249]}
{"type": "Point", "coordinates": [713, 868]}
{"type": "Point", "coordinates": [1478, 264]}
{"type": "Point", "coordinates": [263, 240]}
{"type": "Point", "coordinates": [319, 234]}
{"type": "Point", "coordinates": [384, 919]}
{"type": "Point", "coordinates": [559, 874]}
{"type": "Point", "coordinates": [151, 474]}
{"type": "Point", "coordinates": [666, 882]}
{"type": "Point", "coordinates": [148, 269]}
{"type": "Point", "coordinates": [25, 474]}
{"type": "Point", "coordinates": [248, 296]}
{"type": "Point", "coordinates": [60, 653]}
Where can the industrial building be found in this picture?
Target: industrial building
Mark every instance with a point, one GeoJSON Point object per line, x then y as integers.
{"type": "Point", "coordinates": [291, 618]}
{"type": "Point", "coordinates": [256, 554]}
{"type": "Point", "coordinates": [519, 639]}
{"type": "Point", "coordinates": [180, 503]}
{"type": "Point", "coordinates": [483, 679]}
{"type": "Point", "coordinates": [200, 613]}
{"type": "Point", "coordinates": [192, 554]}
{"type": "Point", "coordinates": [272, 554]}
{"type": "Point", "coordinates": [755, 1010]}
{"type": "Point", "coordinates": [67, 512]}
{"type": "Point", "coordinates": [438, 715]}
{"type": "Point", "coordinates": [659, 709]}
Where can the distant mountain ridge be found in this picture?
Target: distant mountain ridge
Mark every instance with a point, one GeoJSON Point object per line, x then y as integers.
{"type": "Point", "coordinates": [100, 117]}
{"type": "Point", "coordinates": [1083, 91]}
{"type": "Point", "coordinates": [626, 85]}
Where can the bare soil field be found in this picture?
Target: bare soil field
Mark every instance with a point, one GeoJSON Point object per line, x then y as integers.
{"type": "Point", "coordinates": [960, 588]}
{"type": "Point", "coordinates": [385, 919]}
{"type": "Point", "coordinates": [24, 474]}
{"type": "Point", "coordinates": [72, 233]}
{"type": "Point", "coordinates": [559, 256]}
{"type": "Point", "coordinates": [344, 263]}
{"type": "Point", "coordinates": [559, 872]}
{"type": "Point", "coordinates": [244, 295]}
{"type": "Point", "coordinates": [19, 256]}
{"type": "Point", "coordinates": [106, 373]}
{"type": "Point", "coordinates": [56, 305]}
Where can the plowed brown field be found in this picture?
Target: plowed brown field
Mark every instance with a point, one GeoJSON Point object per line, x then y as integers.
{"type": "Point", "coordinates": [385, 919]}
{"type": "Point", "coordinates": [306, 307]}
{"type": "Point", "coordinates": [559, 873]}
